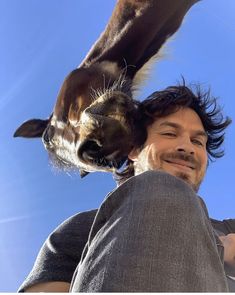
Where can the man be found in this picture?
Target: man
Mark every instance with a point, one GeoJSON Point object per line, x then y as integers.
{"type": "Point", "coordinates": [152, 233]}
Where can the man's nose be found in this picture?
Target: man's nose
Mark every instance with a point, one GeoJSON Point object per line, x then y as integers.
{"type": "Point", "coordinates": [185, 145]}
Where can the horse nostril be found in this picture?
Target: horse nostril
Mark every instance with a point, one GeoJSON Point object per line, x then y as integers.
{"type": "Point", "coordinates": [48, 134]}
{"type": "Point", "coordinates": [89, 148]}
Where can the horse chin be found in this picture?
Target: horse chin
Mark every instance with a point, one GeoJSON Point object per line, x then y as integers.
{"type": "Point", "coordinates": [101, 163]}
{"type": "Point", "coordinates": [94, 166]}
{"type": "Point", "coordinates": [95, 157]}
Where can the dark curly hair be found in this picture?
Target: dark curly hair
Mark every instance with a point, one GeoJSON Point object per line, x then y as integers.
{"type": "Point", "coordinates": [168, 101]}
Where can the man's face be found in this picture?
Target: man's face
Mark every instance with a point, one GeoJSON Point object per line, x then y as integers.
{"type": "Point", "coordinates": [175, 144]}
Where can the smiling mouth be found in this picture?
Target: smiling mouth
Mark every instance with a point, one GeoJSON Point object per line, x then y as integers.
{"type": "Point", "coordinates": [181, 164]}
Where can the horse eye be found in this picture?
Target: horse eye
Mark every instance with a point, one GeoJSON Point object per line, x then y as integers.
{"type": "Point", "coordinates": [48, 134]}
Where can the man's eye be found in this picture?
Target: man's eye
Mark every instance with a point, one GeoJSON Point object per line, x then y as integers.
{"type": "Point", "coordinates": [170, 134]}
{"type": "Point", "coordinates": [197, 142]}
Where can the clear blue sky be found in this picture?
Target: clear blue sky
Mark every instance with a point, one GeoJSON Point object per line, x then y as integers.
{"type": "Point", "coordinates": [41, 42]}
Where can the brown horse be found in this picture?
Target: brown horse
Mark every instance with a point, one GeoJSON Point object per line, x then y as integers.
{"type": "Point", "coordinates": [94, 124]}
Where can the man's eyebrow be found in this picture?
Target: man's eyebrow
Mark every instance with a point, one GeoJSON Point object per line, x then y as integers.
{"type": "Point", "coordinates": [177, 126]}
{"type": "Point", "coordinates": [170, 124]}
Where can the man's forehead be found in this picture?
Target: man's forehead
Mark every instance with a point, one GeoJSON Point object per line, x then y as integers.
{"type": "Point", "coordinates": [184, 117]}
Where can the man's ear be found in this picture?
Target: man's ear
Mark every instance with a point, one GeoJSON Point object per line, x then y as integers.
{"type": "Point", "coordinates": [32, 128]}
{"type": "Point", "coordinates": [133, 155]}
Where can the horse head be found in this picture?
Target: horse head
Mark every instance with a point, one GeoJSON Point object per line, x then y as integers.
{"type": "Point", "coordinates": [95, 121]}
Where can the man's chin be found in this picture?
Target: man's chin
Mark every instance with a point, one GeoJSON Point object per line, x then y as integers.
{"type": "Point", "coordinates": [182, 175]}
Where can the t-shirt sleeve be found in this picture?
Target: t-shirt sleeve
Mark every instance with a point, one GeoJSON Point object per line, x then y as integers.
{"type": "Point", "coordinates": [61, 252]}
{"type": "Point", "coordinates": [226, 226]}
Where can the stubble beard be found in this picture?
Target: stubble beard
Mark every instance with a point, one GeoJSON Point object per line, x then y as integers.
{"type": "Point", "coordinates": [143, 166]}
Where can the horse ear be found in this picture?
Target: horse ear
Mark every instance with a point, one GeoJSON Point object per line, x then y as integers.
{"type": "Point", "coordinates": [32, 128]}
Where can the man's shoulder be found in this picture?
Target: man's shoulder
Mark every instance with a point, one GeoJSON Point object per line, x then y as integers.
{"type": "Point", "coordinates": [77, 221]}
{"type": "Point", "coordinates": [84, 215]}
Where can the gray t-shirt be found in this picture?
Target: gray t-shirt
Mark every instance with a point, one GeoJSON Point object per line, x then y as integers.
{"type": "Point", "coordinates": [59, 257]}
{"type": "Point", "coordinates": [61, 252]}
